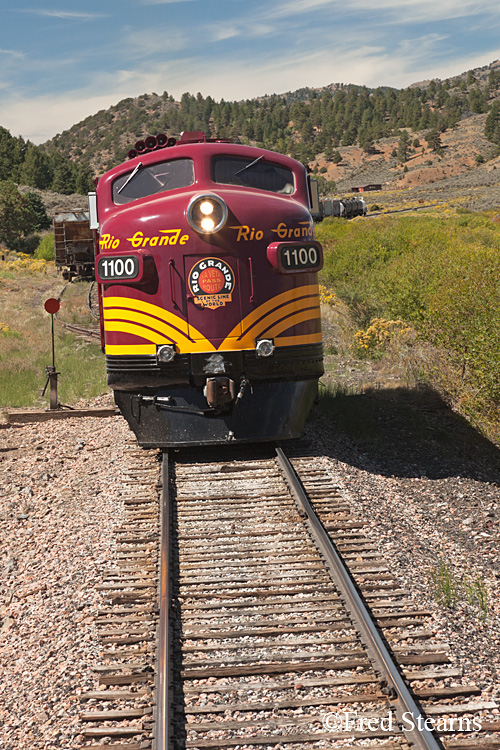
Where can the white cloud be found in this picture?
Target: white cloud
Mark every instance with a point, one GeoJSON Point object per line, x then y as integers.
{"type": "Point", "coordinates": [405, 11]}
{"type": "Point", "coordinates": [12, 53]}
{"type": "Point", "coordinates": [146, 42]}
{"type": "Point", "coordinates": [62, 14]}
{"type": "Point", "coordinates": [353, 55]}
{"type": "Point", "coordinates": [165, 2]}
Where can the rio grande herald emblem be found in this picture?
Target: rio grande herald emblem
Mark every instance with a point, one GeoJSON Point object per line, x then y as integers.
{"type": "Point", "coordinates": [211, 282]}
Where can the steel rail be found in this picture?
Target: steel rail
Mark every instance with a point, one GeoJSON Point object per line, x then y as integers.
{"type": "Point", "coordinates": [405, 707]}
{"type": "Point", "coordinates": [92, 333]}
{"type": "Point", "coordinates": [163, 691]}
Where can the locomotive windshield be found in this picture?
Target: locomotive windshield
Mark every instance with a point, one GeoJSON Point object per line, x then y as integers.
{"type": "Point", "coordinates": [253, 173]}
{"type": "Point", "coordinates": [156, 178]}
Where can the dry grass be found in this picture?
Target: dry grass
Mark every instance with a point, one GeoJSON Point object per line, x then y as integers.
{"type": "Point", "coordinates": [25, 339]}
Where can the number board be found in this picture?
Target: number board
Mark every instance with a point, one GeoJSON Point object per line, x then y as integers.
{"type": "Point", "coordinates": [295, 257]}
{"type": "Point", "coordinates": [117, 267]}
{"type": "Point", "coordinates": [301, 257]}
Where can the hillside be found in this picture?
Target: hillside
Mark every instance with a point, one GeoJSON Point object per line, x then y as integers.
{"type": "Point", "coordinates": [454, 175]}
{"type": "Point", "coordinates": [304, 123]}
{"type": "Point", "coordinates": [348, 135]}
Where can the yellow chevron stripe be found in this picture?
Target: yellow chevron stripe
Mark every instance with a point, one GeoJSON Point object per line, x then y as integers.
{"type": "Point", "coordinates": [260, 329]}
{"type": "Point", "coordinates": [306, 338]}
{"type": "Point", "coordinates": [157, 338]}
{"type": "Point", "coordinates": [246, 341]}
{"type": "Point", "coordinates": [149, 309]}
{"type": "Point", "coordinates": [146, 320]}
{"type": "Point", "coordinates": [293, 320]}
{"type": "Point", "coordinates": [124, 349]}
{"type": "Point", "coordinates": [135, 330]}
{"type": "Point", "coordinates": [125, 315]}
{"type": "Point", "coordinates": [280, 299]}
{"type": "Point", "coordinates": [145, 313]}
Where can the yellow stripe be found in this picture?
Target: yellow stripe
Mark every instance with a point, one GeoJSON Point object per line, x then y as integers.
{"type": "Point", "coordinates": [135, 330]}
{"type": "Point", "coordinates": [149, 309]}
{"type": "Point", "coordinates": [255, 318]}
{"type": "Point", "coordinates": [176, 329]}
{"type": "Point", "coordinates": [280, 299]}
{"type": "Point", "coordinates": [257, 330]}
{"type": "Point", "coordinates": [288, 311]}
{"type": "Point", "coordinates": [130, 349]}
{"type": "Point", "coordinates": [307, 338]}
{"type": "Point", "coordinates": [294, 320]}
{"type": "Point", "coordinates": [146, 333]}
{"type": "Point", "coordinates": [121, 349]}
{"type": "Point", "coordinates": [146, 320]}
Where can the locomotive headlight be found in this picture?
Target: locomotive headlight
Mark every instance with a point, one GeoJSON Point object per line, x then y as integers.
{"type": "Point", "coordinates": [207, 213]}
{"type": "Point", "coordinates": [165, 353]}
{"type": "Point", "coordinates": [264, 347]}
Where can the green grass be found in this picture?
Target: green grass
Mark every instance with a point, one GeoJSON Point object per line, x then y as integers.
{"type": "Point", "coordinates": [451, 589]}
{"type": "Point", "coordinates": [25, 341]}
{"type": "Point", "coordinates": [447, 586]}
{"type": "Point", "coordinates": [441, 275]}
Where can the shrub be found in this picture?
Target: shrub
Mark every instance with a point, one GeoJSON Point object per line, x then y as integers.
{"type": "Point", "coordinates": [45, 249]}
{"type": "Point", "coordinates": [440, 275]}
{"type": "Point", "coordinates": [375, 339]}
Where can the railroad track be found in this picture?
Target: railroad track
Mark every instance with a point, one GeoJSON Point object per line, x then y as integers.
{"type": "Point", "coordinates": [89, 333]}
{"type": "Point", "coordinates": [259, 637]}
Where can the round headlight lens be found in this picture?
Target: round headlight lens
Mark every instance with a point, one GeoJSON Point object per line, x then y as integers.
{"type": "Point", "coordinates": [207, 213]}
{"type": "Point", "coordinates": [207, 208]}
{"type": "Point", "coordinates": [165, 353]}
{"type": "Point", "coordinates": [265, 347]}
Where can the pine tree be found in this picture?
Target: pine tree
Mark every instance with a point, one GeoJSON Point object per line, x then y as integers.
{"type": "Point", "coordinates": [492, 124]}
{"type": "Point", "coordinates": [17, 217]}
{"type": "Point", "coordinates": [433, 138]}
{"type": "Point", "coordinates": [36, 170]}
{"type": "Point", "coordinates": [403, 146]}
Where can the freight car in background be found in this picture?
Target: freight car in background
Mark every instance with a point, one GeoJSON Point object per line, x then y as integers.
{"type": "Point", "coordinates": [344, 208]}
{"type": "Point", "coordinates": [74, 245]}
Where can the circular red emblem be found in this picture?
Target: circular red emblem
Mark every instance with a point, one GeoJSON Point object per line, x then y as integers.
{"type": "Point", "coordinates": [52, 305]}
{"type": "Point", "coordinates": [211, 282]}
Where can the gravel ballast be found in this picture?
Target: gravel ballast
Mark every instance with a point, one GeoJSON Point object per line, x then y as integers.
{"type": "Point", "coordinates": [60, 488]}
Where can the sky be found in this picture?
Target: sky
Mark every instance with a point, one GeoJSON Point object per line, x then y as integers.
{"type": "Point", "coordinates": [63, 61]}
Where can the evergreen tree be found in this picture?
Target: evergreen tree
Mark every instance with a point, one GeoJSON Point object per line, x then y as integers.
{"type": "Point", "coordinates": [41, 220]}
{"type": "Point", "coordinates": [403, 146]}
{"type": "Point", "coordinates": [11, 155]}
{"type": "Point", "coordinates": [84, 179]}
{"type": "Point", "coordinates": [433, 138]}
{"type": "Point", "coordinates": [477, 101]}
{"type": "Point", "coordinates": [17, 218]}
{"type": "Point", "coordinates": [492, 124]}
{"type": "Point", "coordinates": [64, 177]}
{"type": "Point", "coordinates": [36, 170]}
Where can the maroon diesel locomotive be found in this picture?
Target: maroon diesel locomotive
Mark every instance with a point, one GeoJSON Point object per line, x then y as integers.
{"type": "Point", "coordinates": [207, 272]}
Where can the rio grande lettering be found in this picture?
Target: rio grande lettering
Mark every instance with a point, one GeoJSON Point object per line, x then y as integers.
{"type": "Point", "coordinates": [247, 233]}
{"type": "Point", "coordinates": [206, 265]}
{"type": "Point", "coordinates": [170, 237]}
{"type": "Point", "coordinates": [108, 242]}
{"type": "Point", "coordinates": [302, 231]}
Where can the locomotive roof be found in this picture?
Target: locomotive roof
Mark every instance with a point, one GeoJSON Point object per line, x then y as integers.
{"type": "Point", "coordinates": [192, 150]}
